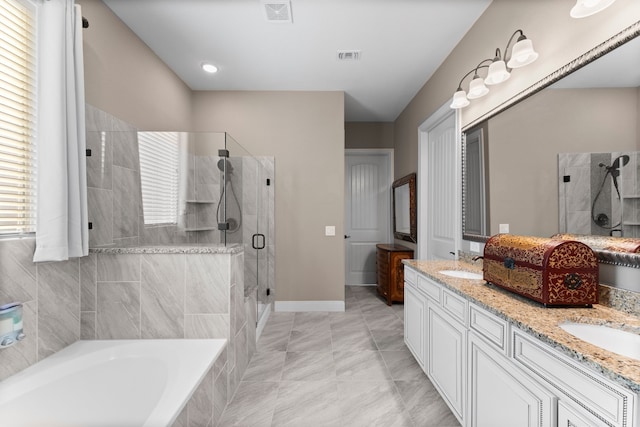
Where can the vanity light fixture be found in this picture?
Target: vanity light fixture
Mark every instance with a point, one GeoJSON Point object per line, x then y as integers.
{"type": "Point", "coordinates": [522, 54]}
{"type": "Point", "coordinates": [209, 68]}
{"type": "Point", "coordinates": [584, 8]}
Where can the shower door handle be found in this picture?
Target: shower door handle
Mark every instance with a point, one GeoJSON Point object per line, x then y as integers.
{"type": "Point", "coordinates": [255, 241]}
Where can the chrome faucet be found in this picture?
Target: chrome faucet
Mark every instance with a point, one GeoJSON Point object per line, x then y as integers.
{"type": "Point", "coordinates": [476, 258]}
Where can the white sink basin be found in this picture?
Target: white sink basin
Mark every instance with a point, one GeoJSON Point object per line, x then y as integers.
{"type": "Point", "coordinates": [461, 274]}
{"type": "Point", "coordinates": [611, 339]}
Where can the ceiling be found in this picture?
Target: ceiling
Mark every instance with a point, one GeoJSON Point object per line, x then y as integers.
{"type": "Point", "coordinates": [401, 43]}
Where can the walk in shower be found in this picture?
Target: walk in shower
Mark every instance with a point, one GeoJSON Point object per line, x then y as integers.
{"type": "Point", "coordinates": [174, 188]}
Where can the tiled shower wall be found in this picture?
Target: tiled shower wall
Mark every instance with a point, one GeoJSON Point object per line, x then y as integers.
{"type": "Point", "coordinates": [580, 178]}
{"type": "Point", "coordinates": [115, 198]}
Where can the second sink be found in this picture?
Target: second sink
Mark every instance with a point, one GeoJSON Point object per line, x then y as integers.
{"type": "Point", "coordinates": [461, 274]}
{"type": "Point", "coordinates": [612, 339]}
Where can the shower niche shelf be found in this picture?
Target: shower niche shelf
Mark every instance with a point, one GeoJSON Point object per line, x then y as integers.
{"type": "Point", "coordinates": [201, 229]}
{"type": "Point", "coordinates": [200, 201]}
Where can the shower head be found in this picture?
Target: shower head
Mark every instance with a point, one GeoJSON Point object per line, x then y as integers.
{"type": "Point", "coordinates": [225, 166]}
{"type": "Point", "coordinates": [616, 163]}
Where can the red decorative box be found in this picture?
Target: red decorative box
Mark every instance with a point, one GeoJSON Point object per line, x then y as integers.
{"type": "Point", "coordinates": [551, 271]}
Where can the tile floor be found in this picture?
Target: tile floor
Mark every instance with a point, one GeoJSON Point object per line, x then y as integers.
{"type": "Point", "coordinates": [337, 369]}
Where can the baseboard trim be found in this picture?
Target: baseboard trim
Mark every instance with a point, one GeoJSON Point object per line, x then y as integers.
{"type": "Point", "coordinates": [308, 306]}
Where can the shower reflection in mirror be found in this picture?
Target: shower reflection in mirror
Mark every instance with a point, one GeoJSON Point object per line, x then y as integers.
{"type": "Point", "coordinates": [598, 193]}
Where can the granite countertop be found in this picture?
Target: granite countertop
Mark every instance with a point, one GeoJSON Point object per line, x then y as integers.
{"type": "Point", "coordinates": [543, 322]}
{"type": "Point", "coordinates": [207, 248]}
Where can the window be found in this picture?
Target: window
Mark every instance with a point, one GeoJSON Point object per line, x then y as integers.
{"type": "Point", "coordinates": [159, 161]}
{"type": "Point", "coordinates": [17, 118]}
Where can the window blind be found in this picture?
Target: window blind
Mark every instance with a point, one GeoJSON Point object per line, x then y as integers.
{"type": "Point", "coordinates": [17, 118]}
{"type": "Point", "coordinates": [159, 157]}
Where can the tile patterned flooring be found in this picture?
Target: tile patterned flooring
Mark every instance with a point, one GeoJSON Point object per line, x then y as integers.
{"type": "Point", "coordinates": [346, 369]}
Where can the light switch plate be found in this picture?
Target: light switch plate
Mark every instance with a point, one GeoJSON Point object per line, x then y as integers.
{"type": "Point", "coordinates": [474, 247]}
{"type": "Point", "coordinates": [330, 230]}
{"type": "Point", "coordinates": [504, 228]}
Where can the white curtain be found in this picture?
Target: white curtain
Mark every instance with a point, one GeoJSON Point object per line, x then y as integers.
{"type": "Point", "coordinates": [62, 219]}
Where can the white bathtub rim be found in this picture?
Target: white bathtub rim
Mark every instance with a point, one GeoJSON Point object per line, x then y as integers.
{"type": "Point", "coordinates": [192, 360]}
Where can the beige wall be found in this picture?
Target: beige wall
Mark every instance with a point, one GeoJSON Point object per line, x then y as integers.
{"type": "Point", "coordinates": [125, 78]}
{"type": "Point", "coordinates": [305, 133]}
{"type": "Point", "coordinates": [525, 142]}
{"type": "Point", "coordinates": [556, 36]}
{"type": "Point", "coordinates": [368, 135]}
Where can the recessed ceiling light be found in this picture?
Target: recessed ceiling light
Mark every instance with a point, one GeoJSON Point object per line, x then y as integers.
{"type": "Point", "coordinates": [209, 68]}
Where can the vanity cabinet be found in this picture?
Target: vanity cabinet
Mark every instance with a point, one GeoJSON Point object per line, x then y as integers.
{"type": "Point", "coordinates": [390, 271]}
{"type": "Point", "coordinates": [414, 311]}
{"type": "Point", "coordinates": [570, 416]}
{"type": "Point", "coordinates": [591, 396]}
{"type": "Point", "coordinates": [501, 395]}
{"type": "Point", "coordinates": [491, 373]}
{"type": "Point", "coordinates": [446, 345]}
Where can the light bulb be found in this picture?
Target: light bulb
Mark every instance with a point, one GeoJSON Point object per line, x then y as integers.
{"type": "Point", "coordinates": [497, 73]}
{"type": "Point", "coordinates": [477, 88]}
{"type": "Point", "coordinates": [209, 68]}
{"type": "Point", "coordinates": [584, 8]}
{"type": "Point", "coordinates": [522, 54]}
{"type": "Point", "coordinates": [459, 100]}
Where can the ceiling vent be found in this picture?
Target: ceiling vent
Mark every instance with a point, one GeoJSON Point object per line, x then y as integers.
{"type": "Point", "coordinates": [349, 55]}
{"type": "Point", "coordinates": [278, 11]}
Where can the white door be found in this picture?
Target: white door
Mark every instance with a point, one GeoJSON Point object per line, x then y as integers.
{"type": "Point", "coordinates": [367, 216]}
{"type": "Point", "coordinates": [439, 185]}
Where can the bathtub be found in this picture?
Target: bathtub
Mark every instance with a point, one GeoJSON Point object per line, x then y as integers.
{"type": "Point", "coordinates": [114, 383]}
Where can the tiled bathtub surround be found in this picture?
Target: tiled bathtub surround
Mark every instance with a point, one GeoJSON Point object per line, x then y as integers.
{"type": "Point", "coordinates": [50, 293]}
{"type": "Point", "coordinates": [171, 292]}
{"type": "Point", "coordinates": [194, 293]}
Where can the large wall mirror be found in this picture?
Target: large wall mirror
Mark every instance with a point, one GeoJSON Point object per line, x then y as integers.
{"type": "Point", "coordinates": [405, 219]}
{"type": "Point", "coordinates": [562, 156]}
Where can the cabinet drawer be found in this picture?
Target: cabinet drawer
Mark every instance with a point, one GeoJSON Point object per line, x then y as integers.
{"type": "Point", "coordinates": [455, 305]}
{"type": "Point", "coordinates": [570, 417]}
{"type": "Point", "coordinates": [589, 391]}
{"type": "Point", "coordinates": [431, 289]}
{"type": "Point", "coordinates": [410, 275]}
{"type": "Point", "coordinates": [489, 326]}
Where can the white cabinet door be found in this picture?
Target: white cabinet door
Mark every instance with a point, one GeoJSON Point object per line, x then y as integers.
{"type": "Point", "coordinates": [446, 346]}
{"type": "Point", "coordinates": [500, 395]}
{"type": "Point", "coordinates": [569, 416]}
{"type": "Point", "coordinates": [414, 308]}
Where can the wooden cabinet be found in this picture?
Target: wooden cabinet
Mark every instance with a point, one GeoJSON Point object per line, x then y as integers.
{"type": "Point", "coordinates": [391, 271]}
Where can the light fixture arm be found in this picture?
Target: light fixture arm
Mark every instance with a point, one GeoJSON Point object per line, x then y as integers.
{"type": "Point", "coordinates": [506, 49]}
{"type": "Point", "coordinates": [475, 71]}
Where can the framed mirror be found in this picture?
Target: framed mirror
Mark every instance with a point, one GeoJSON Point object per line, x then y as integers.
{"type": "Point", "coordinates": [405, 218]}
{"type": "Point", "coordinates": [573, 110]}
